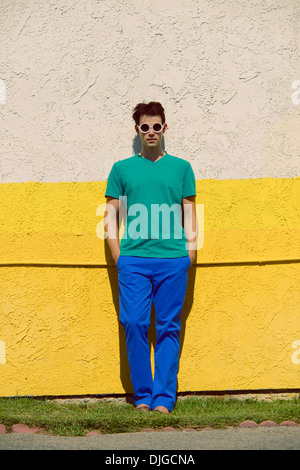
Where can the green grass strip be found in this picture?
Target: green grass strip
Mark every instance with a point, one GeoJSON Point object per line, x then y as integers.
{"type": "Point", "coordinates": [193, 412]}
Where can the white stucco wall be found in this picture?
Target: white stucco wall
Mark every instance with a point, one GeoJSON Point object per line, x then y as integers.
{"type": "Point", "coordinates": [223, 70]}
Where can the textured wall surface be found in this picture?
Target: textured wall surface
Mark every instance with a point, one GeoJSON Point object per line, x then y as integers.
{"type": "Point", "coordinates": [59, 293]}
{"type": "Point", "coordinates": [74, 70]}
{"type": "Point", "coordinates": [228, 75]}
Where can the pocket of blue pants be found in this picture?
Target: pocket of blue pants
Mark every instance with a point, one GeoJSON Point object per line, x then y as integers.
{"type": "Point", "coordinates": [184, 263]}
{"type": "Point", "coordinates": [119, 259]}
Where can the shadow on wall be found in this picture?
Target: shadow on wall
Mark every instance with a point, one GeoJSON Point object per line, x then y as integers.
{"type": "Point", "coordinates": [113, 279]}
{"type": "Point", "coordinates": [136, 144]}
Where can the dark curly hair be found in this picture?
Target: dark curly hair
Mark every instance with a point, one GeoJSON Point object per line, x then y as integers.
{"type": "Point", "coordinates": [154, 108]}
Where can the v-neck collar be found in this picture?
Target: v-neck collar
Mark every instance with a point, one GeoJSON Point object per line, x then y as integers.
{"type": "Point", "coordinates": [151, 161]}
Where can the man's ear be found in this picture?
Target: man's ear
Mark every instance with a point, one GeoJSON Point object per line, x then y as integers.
{"type": "Point", "coordinates": [165, 127]}
{"type": "Point", "coordinates": [136, 128]}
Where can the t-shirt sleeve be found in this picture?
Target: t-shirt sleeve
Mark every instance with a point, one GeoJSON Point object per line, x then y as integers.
{"type": "Point", "coordinates": [189, 183]}
{"type": "Point", "coordinates": [114, 187]}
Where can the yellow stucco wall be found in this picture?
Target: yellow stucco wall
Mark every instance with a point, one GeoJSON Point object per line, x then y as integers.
{"type": "Point", "coordinates": [59, 329]}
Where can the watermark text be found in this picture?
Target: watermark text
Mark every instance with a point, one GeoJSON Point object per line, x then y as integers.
{"type": "Point", "coordinates": [160, 221]}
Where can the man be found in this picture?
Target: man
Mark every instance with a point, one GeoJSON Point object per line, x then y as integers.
{"type": "Point", "coordinates": [157, 249]}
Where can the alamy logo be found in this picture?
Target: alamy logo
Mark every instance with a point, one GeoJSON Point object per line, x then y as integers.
{"type": "Point", "coordinates": [296, 95]}
{"type": "Point", "coordinates": [2, 92]}
{"type": "Point", "coordinates": [160, 221]}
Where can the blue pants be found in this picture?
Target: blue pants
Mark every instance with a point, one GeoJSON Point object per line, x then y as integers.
{"type": "Point", "coordinates": [163, 281]}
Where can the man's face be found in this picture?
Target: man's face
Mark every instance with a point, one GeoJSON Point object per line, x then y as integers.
{"type": "Point", "coordinates": [151, 139]}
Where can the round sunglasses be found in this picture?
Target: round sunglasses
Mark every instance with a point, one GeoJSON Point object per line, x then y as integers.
{"type": "Point", "coordinates": [157, 127]}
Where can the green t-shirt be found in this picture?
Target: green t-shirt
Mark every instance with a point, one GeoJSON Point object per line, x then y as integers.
{"type": "Point", "coordinates": [151, 193]}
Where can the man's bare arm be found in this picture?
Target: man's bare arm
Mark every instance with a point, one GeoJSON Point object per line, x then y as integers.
{"type": "Point", "coordinates": [112, 226]}
{"type": "Point", "coordinates": [190, 225]}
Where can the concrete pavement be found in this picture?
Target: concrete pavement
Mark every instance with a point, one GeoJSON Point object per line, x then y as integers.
{"type": "Point", "coordinates": [269, 438]}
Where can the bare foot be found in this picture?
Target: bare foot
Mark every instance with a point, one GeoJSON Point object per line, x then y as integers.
{"type": "Point", "coordinates": [162, 409]}
{"type": "Point", "coordinates": [143, 407]}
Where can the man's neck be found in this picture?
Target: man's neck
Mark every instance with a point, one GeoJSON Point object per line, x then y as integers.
{"type": "Point", "coordinates": [152, 154]}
